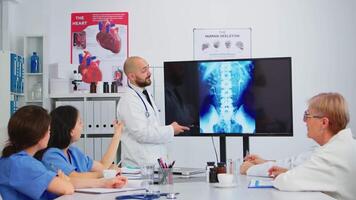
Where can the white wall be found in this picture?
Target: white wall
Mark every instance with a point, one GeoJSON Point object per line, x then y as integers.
{"type": "Point", "coordinates": [2, 24]}
{"type": "Point", "coordinates": [319, 35]}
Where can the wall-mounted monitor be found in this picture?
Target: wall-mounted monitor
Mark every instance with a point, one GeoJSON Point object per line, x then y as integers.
{"type": "Point", "coordinates": [230, 97]}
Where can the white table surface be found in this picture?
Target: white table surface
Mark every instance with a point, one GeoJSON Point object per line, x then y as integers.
{"type": "Point", "coordinates": [196, 188]}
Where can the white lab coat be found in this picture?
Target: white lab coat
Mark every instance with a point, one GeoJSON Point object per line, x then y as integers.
{"type": "Point", "coordinates": [289, 163]}
{"type": "Point", "coordinates": [144, 139]}
{"type": "Point", "coordinates": [331, 169]}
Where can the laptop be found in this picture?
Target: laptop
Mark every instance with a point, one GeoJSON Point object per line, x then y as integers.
{"type": "Point", "coordinates": [187, 171]}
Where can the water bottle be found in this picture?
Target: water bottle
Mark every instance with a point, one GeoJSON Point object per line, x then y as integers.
{"type": "Point", "coordinates": [35, 63]}
{"type": "Point", "coordinates": [113, 87]}
{"type": "Point", "coordinates": [92, 87]}
{"type": "Point", "coordinates": [106, 87]}
{"type": "Point", "coordinates": [36, 92]}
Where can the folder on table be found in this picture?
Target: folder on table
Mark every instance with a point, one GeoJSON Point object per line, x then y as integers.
{"type": "Point", "coordinates": [255, 183]}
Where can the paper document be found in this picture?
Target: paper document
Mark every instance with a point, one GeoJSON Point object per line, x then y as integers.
{"type": "Point", "coordinates": [107, 190]}
{"type": "Point", "coordinates": [133, 176]}
{"type": "Point", "coordinates": [131, 173]}
{"type": "Point", "coordinates": [126, 170]}
{"type": "Point", "coordinates": [254, 183]}
{"type": "Point", "coordinates": [134, 184]}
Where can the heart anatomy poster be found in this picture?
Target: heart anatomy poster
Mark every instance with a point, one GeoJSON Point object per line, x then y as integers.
{"type": "Point", "coordinates": [99, 45]}
{"type": "Point", "coordinates": [211, 44]}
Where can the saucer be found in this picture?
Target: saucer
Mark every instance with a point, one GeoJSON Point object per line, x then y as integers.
{"type": "Point", "coordinates": [230, 185]}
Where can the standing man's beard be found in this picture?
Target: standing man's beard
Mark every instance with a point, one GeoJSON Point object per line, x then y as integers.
{"type": "Point", "coordinates": [144, 83]}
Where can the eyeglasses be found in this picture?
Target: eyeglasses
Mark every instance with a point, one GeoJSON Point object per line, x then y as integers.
{"type": "Point", "coordinates": [308, 115]}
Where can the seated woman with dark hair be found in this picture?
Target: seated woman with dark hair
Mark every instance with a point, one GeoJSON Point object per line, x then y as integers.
{"type": "Point", "coordinates": [21, 175]}
{"type": "Point", "coordinates": [24, 177]}
{"type": "Point", "coordinates": [66, 128]}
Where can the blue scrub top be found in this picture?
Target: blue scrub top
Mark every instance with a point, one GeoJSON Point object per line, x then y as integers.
{"type": "Point", "coordinates": [55, 159]}
{"type": "Point", "coordinates": [24, 177]}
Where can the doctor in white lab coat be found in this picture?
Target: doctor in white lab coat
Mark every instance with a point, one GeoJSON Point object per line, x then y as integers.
{"type": "Point", "coordinates": [144, 137]}
{"type": "Point", "coordinates": [332, 167]}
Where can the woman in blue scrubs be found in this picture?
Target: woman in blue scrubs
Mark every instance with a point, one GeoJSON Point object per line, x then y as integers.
{"type": "Point", "coordinates": [21, 175]}
{"type": "Point", "coordinates": [66, 128]}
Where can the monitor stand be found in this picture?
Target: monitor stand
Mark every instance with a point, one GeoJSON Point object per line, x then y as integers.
{"type": "Point", "coordinates": [245, 147]}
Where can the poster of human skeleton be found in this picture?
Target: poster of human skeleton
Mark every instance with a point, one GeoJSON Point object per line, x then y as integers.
{"type": "Point", "coordinates": [212, 44]}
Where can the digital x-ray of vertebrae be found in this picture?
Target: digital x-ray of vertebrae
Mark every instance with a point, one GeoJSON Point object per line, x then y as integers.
{"type": "Point", "coordinates": [223, 86]}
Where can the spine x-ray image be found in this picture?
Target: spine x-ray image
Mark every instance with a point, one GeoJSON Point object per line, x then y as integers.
{"type": "Point", "coordinates": [223, 88]}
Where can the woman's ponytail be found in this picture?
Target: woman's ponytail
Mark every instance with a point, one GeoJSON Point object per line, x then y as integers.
{"type": "Point", "coordinates": [9, 150]}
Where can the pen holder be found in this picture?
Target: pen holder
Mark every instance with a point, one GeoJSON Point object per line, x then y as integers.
{"type": "Point", "coordinates": [165, 176]}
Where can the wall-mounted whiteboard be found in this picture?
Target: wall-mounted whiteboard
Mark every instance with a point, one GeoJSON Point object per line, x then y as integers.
{"type": "Point", "coordinates": [211, 44]}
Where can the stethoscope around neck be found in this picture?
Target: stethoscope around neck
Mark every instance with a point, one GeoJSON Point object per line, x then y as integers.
{"type": "Point", "coordinates": [147, 114]}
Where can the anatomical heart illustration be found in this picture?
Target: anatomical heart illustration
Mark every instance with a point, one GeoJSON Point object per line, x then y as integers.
{"type": "Point", "coordinates": [108, 36]}
{"type": "Point", "coordinates": [89, 68]}
{"type": "Point", "coordinates": [99, 46]}
{"type": "Point", "coordinates": [79, 39]}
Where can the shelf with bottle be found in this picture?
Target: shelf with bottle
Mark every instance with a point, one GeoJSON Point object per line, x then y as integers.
{"type": "Point", "coordinates": [34, 70]}
{"type": "Point", "coordinates": [86, 95]}
{"type": "Point", "coordinates": [33, 74]}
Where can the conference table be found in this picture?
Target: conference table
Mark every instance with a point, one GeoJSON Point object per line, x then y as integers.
{"type": "Point", "coordinates": [197, 188]}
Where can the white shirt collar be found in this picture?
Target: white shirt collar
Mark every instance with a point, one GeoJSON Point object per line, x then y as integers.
{"type": "Point", "coordinates": [342, 133]}
{"type": "Point", "coordinates": [136, 88]}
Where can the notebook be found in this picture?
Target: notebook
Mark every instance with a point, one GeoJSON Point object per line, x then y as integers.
{"type": "Point", "coordinates": [127, 170]}
{"type": "Point", "coordinates": [107, 190]}
{"type": "Point", "coordinates": [187, 171]}
{"type": "Point", "coordinates": [132, 185]}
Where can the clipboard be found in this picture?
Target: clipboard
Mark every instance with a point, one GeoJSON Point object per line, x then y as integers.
{"type": "Point", "coordinates": [107, 190]}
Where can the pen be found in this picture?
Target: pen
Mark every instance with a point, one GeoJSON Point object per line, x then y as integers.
{"type": "Point", "coordinates": [118, 164]}
{"type": "Point", "coordinates": [247, 153]}
{"type": "Point", "coordinates": [163, 163]}
{"type": "Point", "coordinates": [118, 173]}
{"type": "Point", "coordinates": [171, 165]}
{"type": "Point", "coordinates": [160, 163]}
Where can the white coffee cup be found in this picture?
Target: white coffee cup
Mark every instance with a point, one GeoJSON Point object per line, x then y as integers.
{"type": "Point", "coordinates": [109, 173]}
{"type": "Point", "coordinates": [225, 179]}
